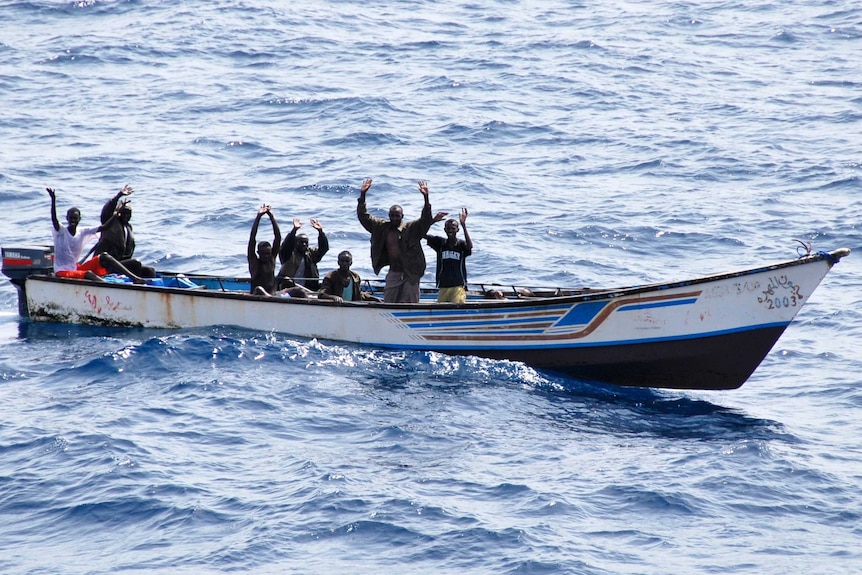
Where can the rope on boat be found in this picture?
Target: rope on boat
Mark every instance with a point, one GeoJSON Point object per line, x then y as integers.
{"type": "Point", "coordinates": [829, 257]}
{"type": "Point", "coordinates": [804, 246]}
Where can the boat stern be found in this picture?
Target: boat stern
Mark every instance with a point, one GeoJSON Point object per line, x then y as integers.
{"type": "Point", "coordinates": [18, 263]}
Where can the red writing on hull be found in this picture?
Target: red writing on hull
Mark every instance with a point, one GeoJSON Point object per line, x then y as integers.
{"type": "Point", "coordinates": [106, 303]}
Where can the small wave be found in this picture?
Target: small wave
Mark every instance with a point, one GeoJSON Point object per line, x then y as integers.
{"type": "Point", "coordinates": [849, 183]}
{"type": "Point", "coordinates": [74, 56]}
{"type": "Point", "coordinates": [785, 37]}
{"type": "Point", "coordinates": [208, 146]}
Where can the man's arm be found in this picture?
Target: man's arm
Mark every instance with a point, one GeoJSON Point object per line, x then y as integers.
{"type": "Point", "coordinates": [114, 215]}
{"type": "Point", "coordinates": [252, 238]}
{"type": "Point", "coordinates": [276, 231]}
{"type": "Point", "coordinates": [327, 288]}
{"type": "Point", "coordinates": [425, 220]}
{"type": "Point", "coordinates": [289, 242]}
{"type": "Point", "coordinates": [322, 242]}
{"type": "Point", "coordinates": [423, 187]}
{"type": "Point", "coordinates": [54, 221]}
{"type": "Point", "coordinates": [111, 205]}
{"type": "Point", "coordinates": [467, 239]}
{"type": "Point", "coordinates": [435, 242]}
{"type": "Point", "coordinates": [439, 216]}
{"type": "Point", "coordinates": [369, 222]}
{"type": "Point", "coordinates": [366, 185]}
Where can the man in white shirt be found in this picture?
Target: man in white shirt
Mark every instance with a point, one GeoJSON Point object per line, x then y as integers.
{"type": "Point", "coordinates": [69, 243]}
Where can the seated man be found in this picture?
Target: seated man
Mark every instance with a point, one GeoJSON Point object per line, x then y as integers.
{"type": "Point", "coordinates": [69, 243]}
{"type": "Point", "coordinates": [341, 284]}
{"type": "Point", "coordinates": [118, 238]}
{"type": "Point", "coordinates": [299, 261]}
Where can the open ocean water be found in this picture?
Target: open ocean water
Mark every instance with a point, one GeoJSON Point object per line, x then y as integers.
{"type": "Point", "coordinates": [595, 143]}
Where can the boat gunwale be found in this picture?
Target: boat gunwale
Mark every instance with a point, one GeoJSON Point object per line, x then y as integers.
{"type": "Point", "coordinates": [540, 300]}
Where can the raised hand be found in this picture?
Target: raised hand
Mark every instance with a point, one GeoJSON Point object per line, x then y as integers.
{"type": "Point", "coordinates": [51, 192]}
{"type": "Point", "coordinates": [297, 223]}
{"type": "Point", "coordinates": [440, 217]}
{"type": "Point", "coordinates": [365, 185]}
{"type": "Point", "coordinates": [423, 187]}
{"type": "Point", "coordinates": [316, 224]}
{"type": "Point", "coordinates": [126, 190]}
{"type": "Point", "coordinates": [463, 216]}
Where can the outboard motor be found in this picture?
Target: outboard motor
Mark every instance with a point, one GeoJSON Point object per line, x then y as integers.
{"type": "Point", "coordinates": [18, 263]}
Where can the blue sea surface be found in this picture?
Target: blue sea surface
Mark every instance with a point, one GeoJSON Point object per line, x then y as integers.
{"type": "Point", "coordinates": [596, 144]}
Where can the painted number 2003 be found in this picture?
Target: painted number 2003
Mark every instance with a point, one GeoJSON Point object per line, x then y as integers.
{"type": "Point", "coordinates": [781, 292]}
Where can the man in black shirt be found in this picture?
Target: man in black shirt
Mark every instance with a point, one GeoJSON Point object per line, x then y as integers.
{"type": "Point", "coordinates": [451, 265]}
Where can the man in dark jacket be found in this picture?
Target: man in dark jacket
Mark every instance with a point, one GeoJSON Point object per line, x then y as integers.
{"type": "Point", "coordinates": [398, 245]}
{"type": "Point", "coordinates": [299, 261]}
{"type": "Point", "coordinates": [342, 284]}
{"type": "Point", "coordinates": [118, 239]}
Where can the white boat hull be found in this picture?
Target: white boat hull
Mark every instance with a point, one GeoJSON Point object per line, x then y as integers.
{"type": "Point", "coordinates": [707, 333]}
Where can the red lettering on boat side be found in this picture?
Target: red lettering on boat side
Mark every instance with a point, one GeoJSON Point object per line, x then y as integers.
{"type": "Point", "coordinates": [93, 301]}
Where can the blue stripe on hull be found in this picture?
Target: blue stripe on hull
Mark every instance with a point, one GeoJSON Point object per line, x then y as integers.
{"type": "Point", "coordinates": [520, 345]}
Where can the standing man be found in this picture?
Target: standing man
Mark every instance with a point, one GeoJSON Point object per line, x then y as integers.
{"type": "Point", "coordinates": [299, 261]}
{"type": "Point", "coordinates": [261, 265]}
{"type": "Point", "coordinates": [69, 243]}
{"type": "Point", "coordinates": [398, 245]}
{"type": "Point", "coordinates": [451, 260]}
{"type": "Point", "coordinates": [117, 237]}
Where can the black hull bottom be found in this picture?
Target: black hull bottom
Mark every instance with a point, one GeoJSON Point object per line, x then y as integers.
{"type": "Point", "coordinates": [713, 363]}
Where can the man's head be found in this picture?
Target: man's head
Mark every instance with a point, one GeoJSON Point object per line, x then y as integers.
{"type": "Point", "coordinates": [301, 243]}
{"type": "Point", "coordinates": [451, 227]}
{"type": "Point", "coordinates": [396, 214]}
{"type": "Point", "coordinates": [264, 249]}
{"type": "Point", "coordinates": [73, 217]}
{"type": "Point", "coordinates": [345, 260]}
{"type": "Point", "coordinates": [125, 214]}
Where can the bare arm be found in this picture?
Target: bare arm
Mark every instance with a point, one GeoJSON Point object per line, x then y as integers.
{"type": "Point", "coordinates": [54, 221]}
{"type": "Point", "coordinates": [276, 231]}
{"type": "Point", "coordinates": [467, 239]}
{"type": "Point", "coordinates": [326, 295]}
{"type": "Point", "coordinates": [423, 187]}
{"type": "Point", "coordinates": [252, 238]}
{"type": "Point", "coordinates": [437, 218]}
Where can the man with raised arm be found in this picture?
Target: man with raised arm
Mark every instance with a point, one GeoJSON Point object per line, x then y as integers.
{"type": "Point", "coordinates": [452, 254]}
{"type": "Point", "coordinates": [117, 237]}
{"type": "Point", "coordinates": [69, 243]}
{"type": "Point", "coordinates": [398, 245]}
{"type": "Point", "coordinates": [299, 262]}
{"type": "Point", "coordinates": [261, 263]}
